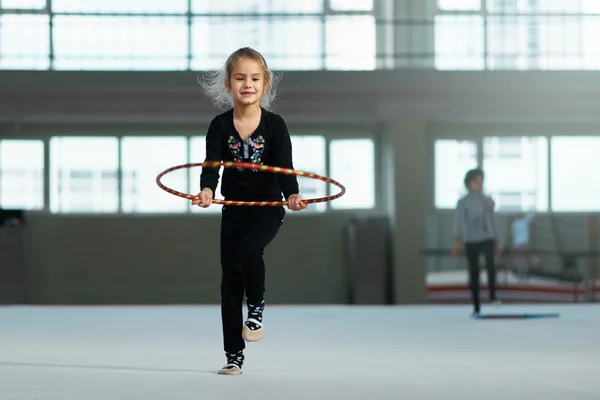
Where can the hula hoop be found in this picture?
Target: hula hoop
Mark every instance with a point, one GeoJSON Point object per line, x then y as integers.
{"type": "Point", "coordinates": [267, 168]}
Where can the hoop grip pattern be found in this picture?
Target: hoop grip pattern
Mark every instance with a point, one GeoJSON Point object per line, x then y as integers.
{"type": "Point", "coordinates": [266, 168]}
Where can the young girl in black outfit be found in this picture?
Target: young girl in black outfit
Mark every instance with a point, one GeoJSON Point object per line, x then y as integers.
{"type": "Point", "coordinates": [247, 132]}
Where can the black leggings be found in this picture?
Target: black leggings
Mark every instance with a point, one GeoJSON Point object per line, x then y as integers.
{"type": "Point", "coordinates": [245, 232]}
{"type": "Point", "coordinates": [473, 250]}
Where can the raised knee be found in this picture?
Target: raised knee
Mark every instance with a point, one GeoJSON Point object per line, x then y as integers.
{"type": "Point", "coordinates": [249, 250]}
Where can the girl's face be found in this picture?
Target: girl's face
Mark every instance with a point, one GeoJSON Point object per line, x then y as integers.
{"type": "Point", "coordinates": [476, 185]}
{"type": "Point", "coordinates": [246, 82]}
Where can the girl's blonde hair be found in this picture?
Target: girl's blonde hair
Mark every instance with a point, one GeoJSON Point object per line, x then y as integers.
{"type": "Point", "coordinates": [213, 82]}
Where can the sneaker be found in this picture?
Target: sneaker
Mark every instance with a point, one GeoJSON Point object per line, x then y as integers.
{"type": "Point", "coordinates": [234, 363]}
{"type": "Point", "coordinates": [252, 331]}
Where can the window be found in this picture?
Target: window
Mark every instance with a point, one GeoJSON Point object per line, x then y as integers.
{"type": "Point", "coordinates": [508, 202]}
{"type": "Point", "coordinates": [119, 6]}
{"type": "Point", "coordinates": [198, 155]}
{"type": "Point", "coordinates": [501, 6]}
{"type": "Point", "coordinates": [23, 4]}
{"type": "Point", "coordinates": [83, 174]}
{"type": "Point", "coordinates": [507, 40]}
{"type": "Point", "coordinates": [560, 41]}
{"type": "Point", "coordinates": [452, 159]}
{"type": "Point", "coordinates": [256, 6]}
{"type": "Point", "coordinates": [459, 42]}
{"type": "Point", "coordinates": [357, 176]}
{"type": "Point", "coordinates": [575, 187]}
{"type": "Point", "coordinates": [590, 46]}
{"type": "Point", "coordinates": [542, 6]}
{"type": "Point", "coordinates": [22, 174]}
{"type": "Point", "coordinates": [123, 43]}
{"type": "Point", "coordinates": [24, 41]}
{"type": "Point", "coordinates": [516, 172]}
{"type": "Point", "coordinates": [214, 38]}
{"type": "Point", "coordinates": [142, 159]}
{"type": "Point", "coordinates": [460, 5]}
{"type": "Point", "coordinates": [308, 154]}
{"type": "Point", "coordinates": [350, 42]}
{"type": "Point", "coordinates": [155, 35]}
{"type": "Point", "coordinates": [351, 5]}
{"type": "Point", "coordinates": [545, 42]}
{"type": "Point", "coordinates": [520, 34]}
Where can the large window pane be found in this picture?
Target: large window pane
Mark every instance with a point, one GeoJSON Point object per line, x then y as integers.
{"type": "Point", "coordinates": [590, 45]}
{"type": "Point", "coordinates": [351, 5]}
{"type": "Point", "coordinates": [24, 42]}
{"type": "Point", "coordinates": [198, 155]}
{"type": "Point", "coordinates": [589, 6]}
{"type": "Point", "coordinates": [308, 153]}
{"type": "Point", "coordinates": [575, 186]}
{"type": "Point", "coordinates": [543, 42]}
{"type": "Point", "coordinates": [459, 42]}
{"type": "Point", "coordinates": [22, 174]}
{"type": "Point", "coordinates": [542, 6]}
{"type": "Point", "coordinates": [516, 172]}
{"type": "Point", "coordinates": [256, 6]}
{"type": "Point", "coordinates": [508, 43]}
{"type": "Point", "coordinates": [499, 6]}
{"type": "Point", "coordinates": [24, 4]}
{"type": "Point", "coordinates": [84, 174]}
{"type": "Point", "coordinates": [350, 42]}
{"type": "Point", "coordinates": [215, 38]}
{"type": "Point", "coordinates": [459, 5]}
{"type": "Point", "coordinates": [114, 6]}
{"type": "Point", "coordinates": [452, 159]}
{"type": "Point", "coordinates": [357, 176]}
{"type": "Point", "coordinates": [124, 43]}
{"type": "Point", "coordinates": [142, 159]}
{"type": "Point", "coordinates": [559, 41]}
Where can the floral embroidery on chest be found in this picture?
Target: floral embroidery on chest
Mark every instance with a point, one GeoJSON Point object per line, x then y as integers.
{"type": "Point", "coordinates": [248, 151]}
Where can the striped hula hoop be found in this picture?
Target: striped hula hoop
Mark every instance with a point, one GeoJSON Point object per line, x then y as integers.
{"type": "Point", "coordinates": [266, 168]}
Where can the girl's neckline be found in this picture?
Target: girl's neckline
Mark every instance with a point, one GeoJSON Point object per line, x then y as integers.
{"type": "Point", "coordinates": [262, 114]}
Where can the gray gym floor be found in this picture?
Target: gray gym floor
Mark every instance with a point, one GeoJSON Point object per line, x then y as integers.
{"type": "Point", "coordinates": [308, 352]}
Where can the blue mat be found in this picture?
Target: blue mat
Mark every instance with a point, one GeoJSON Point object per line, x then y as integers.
{"type": "Point", "coordinates": [517, 316]}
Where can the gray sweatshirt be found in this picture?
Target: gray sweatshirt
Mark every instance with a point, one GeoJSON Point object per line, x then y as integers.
{"type": "Point", "coordinates": [475, 220]}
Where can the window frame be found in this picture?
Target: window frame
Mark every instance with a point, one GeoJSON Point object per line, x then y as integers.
{"type": "Point", "coordinates": [566, 135]}
{"type": "Point", "coordinates": [189, 15]}
{"type": "Point", "coordinates": [49, 173]}
{"type": "Point", "coordinates": [45, 172]}
{"type": "Point", "coordinates": [513, 156]}
{"type": "Point", "coordinates": [432, 180]}
{"type": "Point", "coordinates": [349, 131]}
{"type": "Point", "coordinates": [540, 59]}
{"type": "Point", "coordinates": [533, 60]}
{"type": "Point", "coordinates": [473, 131]}
{"type": "Point", "coordinates": [366, 133]}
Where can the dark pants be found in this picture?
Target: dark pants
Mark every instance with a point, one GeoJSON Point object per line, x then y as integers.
{"type": "Point", "coordinates": [473, 251]}
{"type": "Point", "coordinates": [245, 232]}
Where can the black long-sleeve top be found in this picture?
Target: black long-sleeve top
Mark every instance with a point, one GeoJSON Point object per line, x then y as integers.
{"type": "Point", "coordinates": [269, 144]}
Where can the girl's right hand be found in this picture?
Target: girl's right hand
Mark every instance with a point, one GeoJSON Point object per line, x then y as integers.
{"type": "Point", "coordinates": [204, 199]}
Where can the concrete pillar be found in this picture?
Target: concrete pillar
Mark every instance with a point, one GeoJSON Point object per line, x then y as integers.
{"type": "Point", "coordinates": [405, 167]}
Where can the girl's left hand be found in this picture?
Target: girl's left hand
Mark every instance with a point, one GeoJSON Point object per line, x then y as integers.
{"type": "Point", "coordinates": [296, 202]}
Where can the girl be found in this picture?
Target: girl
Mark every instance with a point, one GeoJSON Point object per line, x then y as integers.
{"type": "Point", "coordinates": [247, 132]}
{"type": "Point", "coordinates": [475, 226]}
